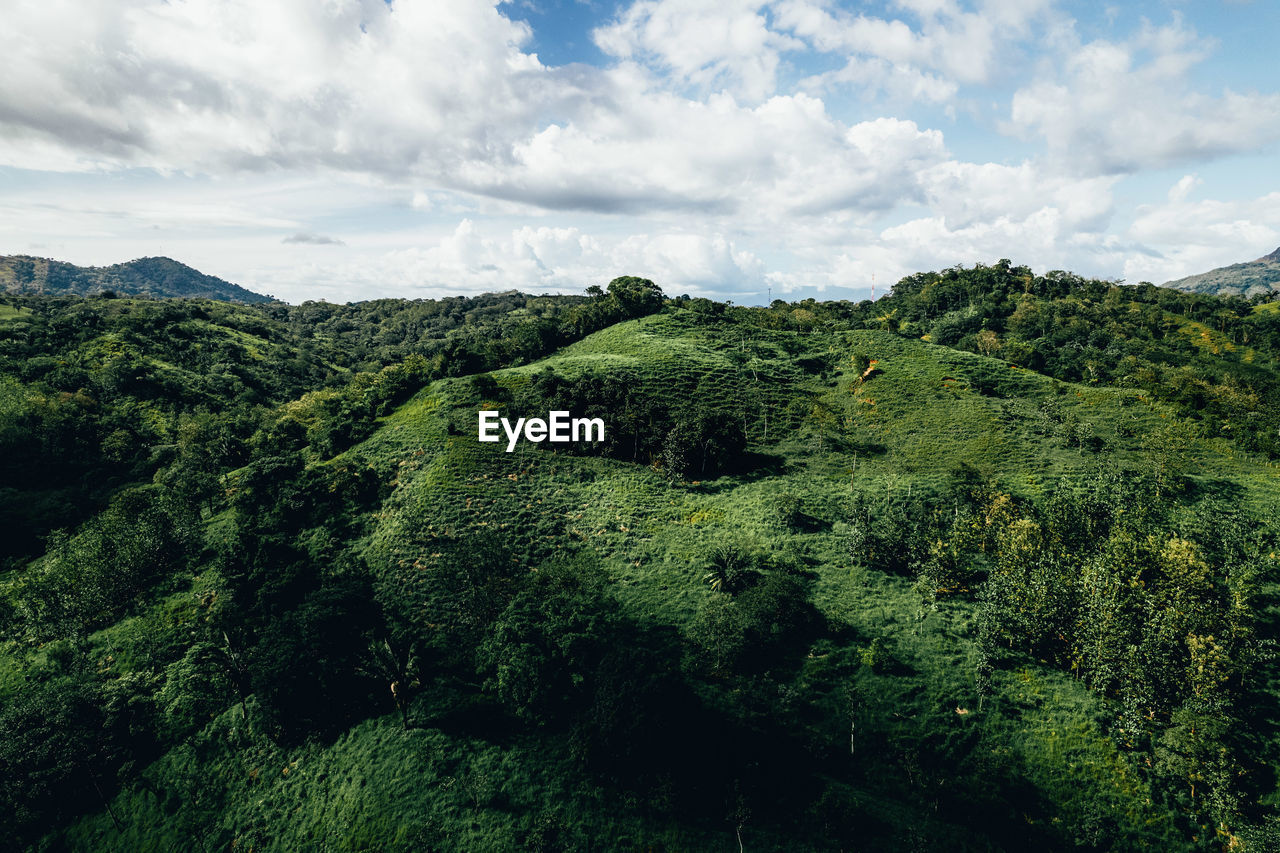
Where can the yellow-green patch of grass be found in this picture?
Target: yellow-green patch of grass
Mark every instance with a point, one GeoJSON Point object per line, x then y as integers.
{"type": "Point", "coordinates": [1209, 339]}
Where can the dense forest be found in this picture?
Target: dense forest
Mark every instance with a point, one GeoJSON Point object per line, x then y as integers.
{"type": "Point", "coordinates": [987, 564]}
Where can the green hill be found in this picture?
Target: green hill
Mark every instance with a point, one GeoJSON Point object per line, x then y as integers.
{"type": "Point", "coordinates": [1260, 276]}
{"type": "Point", "coordinates": [149, 277]}
{"type": "Point", "coordinates": [826, 584]}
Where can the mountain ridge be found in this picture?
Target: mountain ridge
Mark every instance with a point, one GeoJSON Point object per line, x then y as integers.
{"type": "Point", "coordinates": [1244, 279]}
{"type": "Point", "coordinates": [154, 277]}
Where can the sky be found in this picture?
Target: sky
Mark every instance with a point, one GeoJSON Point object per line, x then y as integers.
{"type": "Point", "coordinates": [743, 150]}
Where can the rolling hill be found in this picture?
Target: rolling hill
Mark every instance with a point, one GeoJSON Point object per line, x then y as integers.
{"type": "Point", "coordinates": [1247, 279]}
{"type": "Point", "coordinates": [987, 565]}
{"type": "Point", "coordinates": [148, 277]}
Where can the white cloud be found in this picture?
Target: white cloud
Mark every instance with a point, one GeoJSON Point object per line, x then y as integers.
{"type": "Point", "coordinates": [969, 193]}
{"type": "Point", "coordinates": [710, 44]}
{"type": "Point", "coordinates": [878, 78]}
{"type": "Point", "coordinates": [215, 85]}
{"type": "Point", "coordinates": [950, 45]}
{"type": "Point", "coordinates": [477, 258]}
{"type": "Point", "coordinates": [663, 152]}
{"type": "Point", "coordinates": [1110, 107]}
{"type": "Point", "coordinates": [450, 159]}
{"type": "Point", "coordinates": [439, 95]}
{"type": "Point", "coordinates": [1183, 188]}
{"type": "Point", "coordinates": [1196, 236]}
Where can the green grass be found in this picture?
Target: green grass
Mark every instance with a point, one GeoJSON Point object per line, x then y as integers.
{"type": "Point", "coordinates": [925, 411]}
{"type": "Point", "coordinates": [905, 429]}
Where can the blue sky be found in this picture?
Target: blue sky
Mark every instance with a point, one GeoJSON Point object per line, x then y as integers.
{"type": "Point", "coordinates": [732, 148]}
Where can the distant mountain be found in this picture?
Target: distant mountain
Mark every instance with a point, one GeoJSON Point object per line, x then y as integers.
{"type": "Point", "coordinates": [1260, 276]}
{"type": "Point", "coordinates": [153, 277]}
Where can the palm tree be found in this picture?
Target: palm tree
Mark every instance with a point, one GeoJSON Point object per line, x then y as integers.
{"type": "Point", "coordinates": [396, 664]}
{"type": "Point", "coordinates": [730, 569]}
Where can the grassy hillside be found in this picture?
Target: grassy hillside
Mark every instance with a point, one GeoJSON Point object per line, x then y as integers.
{"type": "Point", "coordinates": [825, 585]}
{"type": "Point", "coordinates": [873, 723]}
{"type": "Point", "coordinates": [102, 393]}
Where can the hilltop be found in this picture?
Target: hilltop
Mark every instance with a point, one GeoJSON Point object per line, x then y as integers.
{"type": "Point", "coordinates": [149, 277]}
{"type": "Point", "coordinates": [1246, 279]}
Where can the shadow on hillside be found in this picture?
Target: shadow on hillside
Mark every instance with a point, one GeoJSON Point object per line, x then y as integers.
{"type": "Point", "coordinates": [1211, 488]}
{"type": "Point", "coordinates": [758, 464]}
{"type": "Point", "coordinates": [807, 523]}
{"type": "Point", "coordinates": [745, 468]}
{"type": "Point", "coordinates": [458, 712]}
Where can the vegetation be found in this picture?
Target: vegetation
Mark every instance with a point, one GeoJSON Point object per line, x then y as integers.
{"type": "Point", "coordinates": [153, 277]}
{"type": "Point", "coordinates": [987, 564]}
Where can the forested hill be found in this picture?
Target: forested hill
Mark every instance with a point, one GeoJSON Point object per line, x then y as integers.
{"type": "Point", "coordinates": [1247, 279]}
{"type": "Point", "coordinates": [989, 564]}
{"type": "Point", "coordinates": [96, 393]}
{"type": "Point", "coordinates": [150, 277]}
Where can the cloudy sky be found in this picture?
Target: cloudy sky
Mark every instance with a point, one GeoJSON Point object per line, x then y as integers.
{"type": "Point", "coordinates": [348, 149]}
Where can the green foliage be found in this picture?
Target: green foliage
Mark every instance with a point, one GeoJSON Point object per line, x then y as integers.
{"type": "Point", "coordinates": [91, 579]}
{"type": "Point", "coordinates": [306, 667]}
{"type": "Point", "coordinates": [756, 629]}
{"type": "Point", "coordinates": [877, 656]}
{"type": "Point", "coordinates": [730, 568]}
{"type": "Point", "coordinates": [196, 689]}
{"type": "Point", "coordinates": [831, 586]}
{"type": "Point", "coordinates": [542, 651]}
{"type": "Point", "coordinates": [790, 511]}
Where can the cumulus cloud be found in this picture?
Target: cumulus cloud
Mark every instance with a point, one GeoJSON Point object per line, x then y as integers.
{"type": "Point", "coordinates": [1111, 107]}
{"type": "Point", "coordinates": [1183, 188]}
{"type": "Point", "coordinates": [659, 151]}
{"type": "Point", "coordinates": [478, 258]}
{"type": "Point", "coordinates": [438, 94]}
{"type": "Point", "coordinates": [739, 46]}
{"type": "Point", "coordinates": [245, 85]}
{"type": "Point", "coordinates": [710, 44]}
{"type": "Point", "coordinates": [1196, 236]}
{"type": "Point", "coordinates": [948, 44]}
{"type": "Point", "coordinates": [878, 78]}
{"type": "Point", "coordinates": [723, 147]}
{"type": "Point", "coordinates": [969, 193]}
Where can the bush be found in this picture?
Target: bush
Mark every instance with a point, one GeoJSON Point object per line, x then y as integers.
{"type": "Point", "coordinates": [541, 656]}
{"type": "Point", "coordinates": [756, 630]}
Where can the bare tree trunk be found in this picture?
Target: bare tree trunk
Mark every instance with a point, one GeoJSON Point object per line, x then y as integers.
{"type": "Point", "coordinates": [237, 676]}
{"type": "Point", "coordinates": [105, 802]}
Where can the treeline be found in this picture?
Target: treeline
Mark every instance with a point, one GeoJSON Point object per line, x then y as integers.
{"type": "Point", "coordinates": [1213, 358]}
